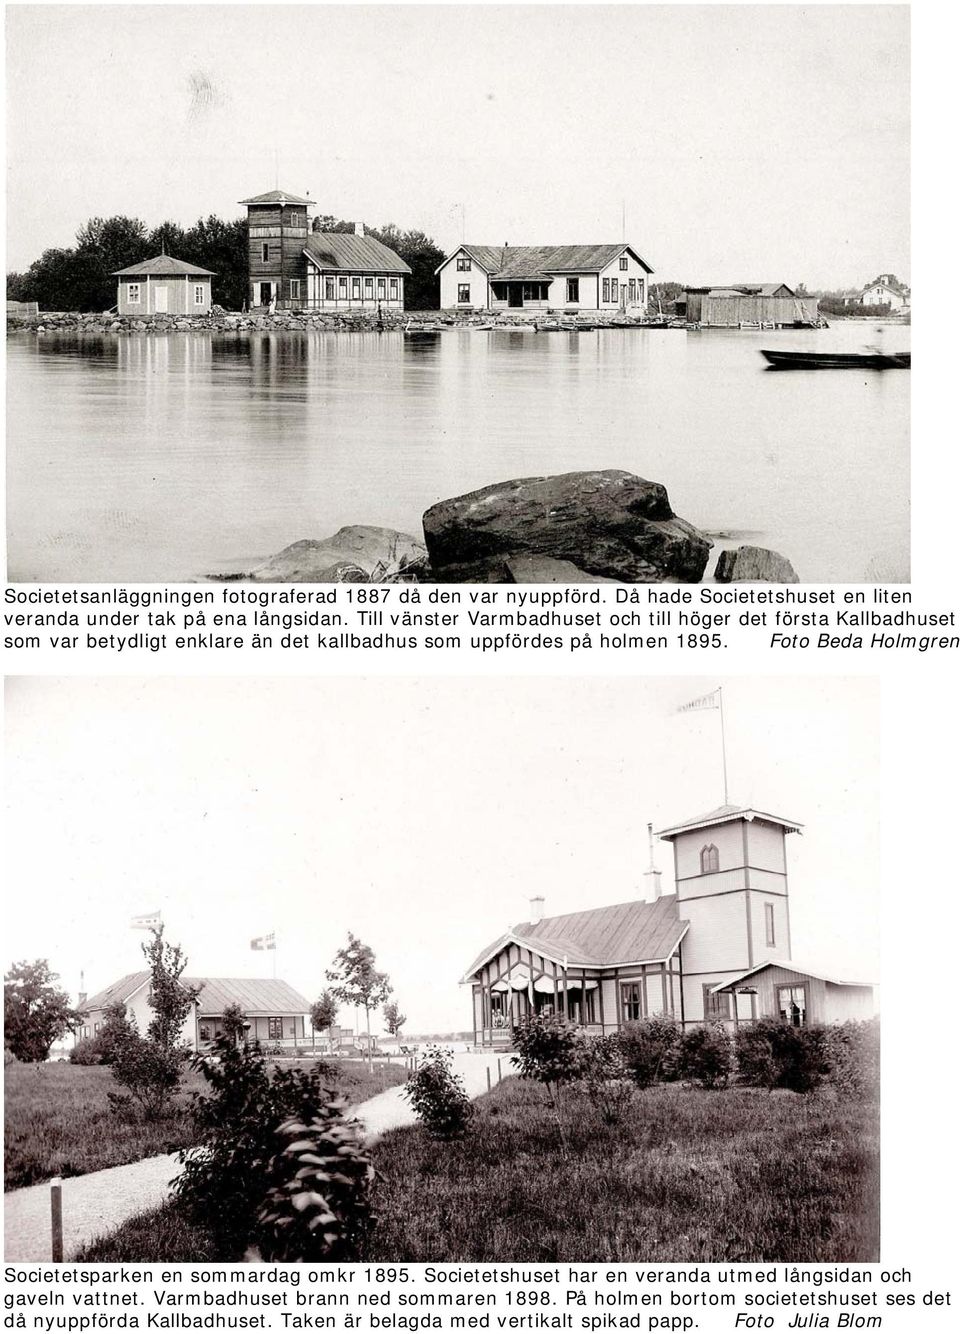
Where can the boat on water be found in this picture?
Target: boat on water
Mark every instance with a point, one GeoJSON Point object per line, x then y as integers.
{"type": "Point", "coordinates": [417, 330]}
{"type": "Point", "coordinates": [866, 361]}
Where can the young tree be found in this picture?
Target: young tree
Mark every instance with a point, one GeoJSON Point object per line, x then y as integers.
{"type": "Point", "coordinates": [393, 1019]}
{"type": "Point", "coordinates": [323, 1012]}
{"type": "Point", "coordinates": [35, 1012]}
{"type": "Point", "coordinates": [357, 981]}
{"type": "Point", "coordinates": [234, 1023]}
{"type": "Point", "coordinates": [170, 999]}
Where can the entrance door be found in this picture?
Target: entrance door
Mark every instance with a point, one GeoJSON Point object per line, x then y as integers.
{"type": "Point", "coordinates": [266, 293]}
{"type": "Point", "coordinates": [160, 300]}
{"type": "Point", "coordinates": [515, 291]}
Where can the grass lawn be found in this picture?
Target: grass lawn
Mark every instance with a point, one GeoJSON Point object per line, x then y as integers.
{"type": "Point", "coordinates": [57, 1121]}
{"type": "Point", "coordinates": [690, 1175]}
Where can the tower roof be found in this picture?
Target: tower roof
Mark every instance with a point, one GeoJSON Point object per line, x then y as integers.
{"type": "Point", "coordinates": [724, 815]}
{"type": "Point", "coordinates": [277, 197]}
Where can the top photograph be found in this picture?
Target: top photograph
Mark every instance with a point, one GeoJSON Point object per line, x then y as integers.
{"type": "Point", "coordinates": [486, 294]}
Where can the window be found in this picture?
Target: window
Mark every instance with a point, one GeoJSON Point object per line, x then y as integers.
{"type": "Point", "coordinates": [264, 253]}
{"type": "Point", "coordinates": [463, 264]}
{"type": "Point", "coordinates": [295, 289]}
{"type": "Point", "coordinates": [606, 289]}
{"type": "Point", "coordinates": [624, 263]}
{"type": "Point", "coordinates": [356, 289]}
{"type": "Point", "coordinates": [792, 1005]}
{"type": "Point", "coordinates": [274, 1029]}
{"type": "Point", "coordinates": [133, 294]}
{"type": "Point", "coordinates": [343, 289]}
{"type": "Point", "coordinates": [716, 1005]}
{"type": "Point", "coordinates": [330, 288]}
{"type": "Point", "coordinates": [381, 288]}
{"type": "Point", "coordinates": [204, 1032]}
{"type": "Point", "coordinates": [368, 288]}
{"type": "Point", "coordinates": [463, 293]}
{"type": "Point", "coordinates": [573, 289]}
{"type": "Point", "coordinates": [632, 998]}
{"type": "Point", "coordinates": [198, 294]}
{"type": "Point", "coordinates": [534, 291]}
{"type": "Point", "coordinates": [394, 289]}
{"type": "Point", "coordinates": [96, 1029]}
{"type": "Point", "coordinates": [709, 860]}
{"type": "Point", "coordinates": [771, 928]}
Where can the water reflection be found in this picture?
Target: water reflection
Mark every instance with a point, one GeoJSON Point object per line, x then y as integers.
{"type": "Point", "coordinates": [151, 456]}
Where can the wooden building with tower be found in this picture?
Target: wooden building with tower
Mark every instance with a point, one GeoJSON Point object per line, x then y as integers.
{"type": "Point", "coordinates": [718, 948]}
{"type": "Point", "coordinates": [294, 267]}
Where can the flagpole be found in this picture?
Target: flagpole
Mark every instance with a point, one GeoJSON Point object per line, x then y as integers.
{"type": "Point", "coordinates": [723, 748]}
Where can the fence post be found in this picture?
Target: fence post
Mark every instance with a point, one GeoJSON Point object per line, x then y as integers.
{"type": "Point", "coordinates": [56, 1220]}
{"type": "Point", "coordinates": [489, 1085]}
{"type": "Point", "coordinates": [499, 1071]}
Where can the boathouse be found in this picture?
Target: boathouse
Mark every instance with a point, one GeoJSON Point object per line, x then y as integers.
{"type": "Point", "coordinates": [294, 267]}
{"type": "Point", "coordinates": [275, 1011]}
{"type": "Point", "coordinates": [568, 278]}
{"type": "Point", "coordinates": [718, 948]}
{"type": "Point", "coordinates": [163, 286]}
{"type": "Point", "coordinates": [737, 304]}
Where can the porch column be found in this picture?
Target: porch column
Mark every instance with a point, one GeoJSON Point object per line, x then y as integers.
{"type": "Point", "coordinates": [603, 1022]}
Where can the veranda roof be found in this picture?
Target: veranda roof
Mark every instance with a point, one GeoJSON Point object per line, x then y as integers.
{"type": "Point", "coordinates": [791, 966]}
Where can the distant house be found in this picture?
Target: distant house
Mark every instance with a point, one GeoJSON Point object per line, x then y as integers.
{"type": "Point", "coordinates": [885, 290]}
{"type": "Point", "coordinates": [292, 267]}
{"type": "Point", "coordinates": [163, 286]}
{"type": "Point", "coordinates": [275, 1011]}
{"type": "Point", "coordinates": [567, 278]}
{"type": "Point", "coordinates": [732, 304]}
{"type": "Point", "coordinates": [718, 948]}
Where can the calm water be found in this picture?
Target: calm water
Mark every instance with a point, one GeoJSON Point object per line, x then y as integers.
{"type": "Point", "coordinates": [147, 458]}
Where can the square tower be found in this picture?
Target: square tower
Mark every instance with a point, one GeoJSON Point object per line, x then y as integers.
{"type": "Point", "coordinates": [731, 877]}
{"type": "Point", "coordinates": [277, 231]}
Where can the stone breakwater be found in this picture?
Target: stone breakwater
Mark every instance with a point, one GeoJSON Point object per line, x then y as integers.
{"type": "Point", "coordinates": [293, 321]}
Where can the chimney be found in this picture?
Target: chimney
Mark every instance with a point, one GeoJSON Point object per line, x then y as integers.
{"type": "Point", "coordinates": [652, 876]}
{"type": "Point", "coordinates": [82, 994]}
{"type": "Point", "coordinates": [358, 229]}
{"type": "Point", "coordinates": [536, 909]}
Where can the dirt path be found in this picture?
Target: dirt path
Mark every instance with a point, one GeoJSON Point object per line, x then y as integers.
{"type": "Point", "coordinates": [97, 1203]}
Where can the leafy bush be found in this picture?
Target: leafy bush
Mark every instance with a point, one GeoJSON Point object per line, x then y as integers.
{"type": "Point", "coordinates": [318, 1199]}
{"type": "Point", "coordinates": [774, 1054]}
{"type": "Point", "coordinates": [438, 1096]}
{"type": "Point", "coordinates": [86, 1052]}
{"type": "Point", "coordinates": [550, 1050]}
{"type": "Point", "coordinates": [650, 1049]}
{"type": "Point", "coordinates": [705, 1055]}
{"type": "Point", "coordinates": [605, 1077]}
{"type": "Point", "coordinates": [150, 1073]}
{"type": "Point", "coordinates": [853, 1057]}
{"type": "Point", "coordinates": [9, 1058]}
{"type": "Point", "coordinates": [225, 1179]}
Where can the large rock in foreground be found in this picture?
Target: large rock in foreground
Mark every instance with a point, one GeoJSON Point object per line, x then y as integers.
{"type": "Point", "coordinates": [350, 555]}
{"type": "Point", "coordinates": [608, 522]}
{"type": "Point", "coordinates": [754, 565]}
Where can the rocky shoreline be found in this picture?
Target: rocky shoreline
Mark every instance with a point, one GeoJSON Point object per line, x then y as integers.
{"type": "Point", "coordinates": [602, 526]}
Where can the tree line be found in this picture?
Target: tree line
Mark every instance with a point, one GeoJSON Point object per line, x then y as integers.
{"type": "Point", "coordinates": [81, 278]}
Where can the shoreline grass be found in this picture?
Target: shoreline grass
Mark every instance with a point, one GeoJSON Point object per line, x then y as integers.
{"type": "Point", "coordinates": [688, 1176]}
{"type": "Point", "coordinates": [58, 1122]}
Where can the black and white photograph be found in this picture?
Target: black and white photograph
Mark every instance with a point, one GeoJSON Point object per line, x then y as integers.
{"type": "Point", "coordinates": [471, 969]}
{"type": "Point", "coordinates": [482, 293]}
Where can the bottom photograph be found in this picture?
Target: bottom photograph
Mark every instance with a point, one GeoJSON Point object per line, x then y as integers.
{"type": "Point", "coordinates": [456, 969]}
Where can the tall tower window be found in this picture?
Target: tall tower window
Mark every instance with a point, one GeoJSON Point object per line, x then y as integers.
{"type": "Point", "coordinates": [709, 859]}
{"type": "Point", "coordinates": [771, 928]}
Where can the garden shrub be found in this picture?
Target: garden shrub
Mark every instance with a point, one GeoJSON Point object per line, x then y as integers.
{"type": "Point", "coordinates": [86, 1052]}
{"type": "Point", "coordinates": [853, 1057]}
{"type": "Point", "coordinates": [438, 1096]}
{"type": "Point", "coordinates": [9, 1058]}
{"type": "Point", "coordinates": [317, 1205]}
{"type": "Point", "coordinates": [705, 1055]}
{"type": "Point", "coordinates": [650, 1049]}
{"type": "Point", "coordinates": [224, 1180]}
{"type": "Point", "coordinates": [774, 1054]}
{"type": "Point", "coordinates": [606, 1080]}
{"type": "Point", "coordinates": [549, 1050]}
{"type": "Point", "coordinates": [149, 1072]}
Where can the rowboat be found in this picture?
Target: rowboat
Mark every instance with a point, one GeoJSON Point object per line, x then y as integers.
{"type": "Point", "coordinates": [864, 361]}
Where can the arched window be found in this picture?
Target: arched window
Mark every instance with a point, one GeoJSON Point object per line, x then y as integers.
{"type": "Point", "coordinates": [709, 859]}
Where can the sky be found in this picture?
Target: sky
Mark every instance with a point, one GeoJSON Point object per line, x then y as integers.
{"type": "Point", "coordinates": [740, 143]}
{"type": "Point", "coordinates": [422, 815]}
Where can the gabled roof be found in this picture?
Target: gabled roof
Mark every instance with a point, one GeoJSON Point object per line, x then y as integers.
{"type": "Point", "coordinates": [537, 262]}
{"type": "Point", "coordinates": [742, 289]}
{"type": "Point", "coordinates": [791, 966]}
{"type": "Point", "coordinates": [276, 197]}
{"type": "Point", "coordinates": [345, 251]}
{"type": "Point", "coordinates": [635, 932]}
{"type": "Point", "coordinates": [254, 995]}
{"type": "Point", "coordinates": [724, 814]}
{"type": "Point", "coordinates": [164, 265]}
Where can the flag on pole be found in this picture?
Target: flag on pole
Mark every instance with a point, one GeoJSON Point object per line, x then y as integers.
{"type": "Point", "coordinates": [711, 701]}
{"type": "Point", "coordinates": [148, 921]}
{"type": "Point", "coordinates": [264, 942]}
